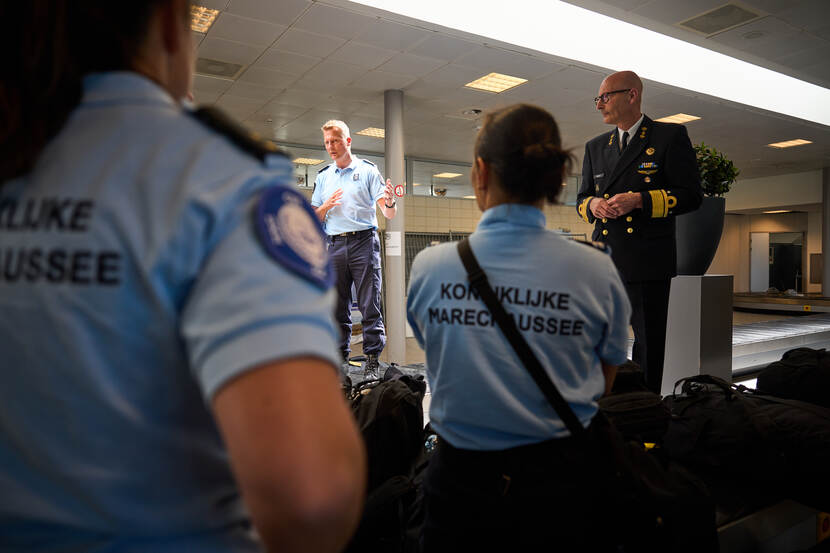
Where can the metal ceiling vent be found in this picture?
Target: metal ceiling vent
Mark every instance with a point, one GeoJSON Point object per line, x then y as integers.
{"type": "Point", "coordinates": [216, 68]}
{"type": "Point", "coordinates": [719, 19]}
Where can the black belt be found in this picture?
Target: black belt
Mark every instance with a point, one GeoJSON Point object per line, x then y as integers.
{"type": "Point", "coordinates": [351, 234]}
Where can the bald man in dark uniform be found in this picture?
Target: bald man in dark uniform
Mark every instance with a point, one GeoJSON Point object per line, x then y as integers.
{"type": "Point", "coordinates": [635, 180]}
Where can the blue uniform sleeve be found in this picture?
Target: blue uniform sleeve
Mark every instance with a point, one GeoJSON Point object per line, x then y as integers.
{"type": "Point", "coordinates": [376, 185]}
{"type": "Point", "coordinates": [246, 309]}
{"type": "Point", "coordinates": [613, 348]}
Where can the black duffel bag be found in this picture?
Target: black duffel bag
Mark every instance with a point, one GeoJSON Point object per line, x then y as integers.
{"type": "Point", "coordinates": [802, 374]}
{"type": "Point", "coordinates": [727, 432]}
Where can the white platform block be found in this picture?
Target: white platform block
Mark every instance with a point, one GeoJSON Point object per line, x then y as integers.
{"type": "Point", "coordinates": [699, 329]}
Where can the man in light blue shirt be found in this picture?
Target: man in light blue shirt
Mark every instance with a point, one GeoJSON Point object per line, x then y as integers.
{"type": "Point", "coordinates": [345, 195]}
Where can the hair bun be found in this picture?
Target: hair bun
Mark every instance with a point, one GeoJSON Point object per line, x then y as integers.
{"type": "Point", "coordinates": [542, 151]}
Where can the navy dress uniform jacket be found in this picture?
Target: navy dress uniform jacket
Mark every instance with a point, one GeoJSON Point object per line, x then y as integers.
{"type": "Point", "coordinates": [659, 163]}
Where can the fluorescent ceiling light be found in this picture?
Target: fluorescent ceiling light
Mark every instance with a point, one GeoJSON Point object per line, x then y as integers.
{"type": "Point", "coordinates": [469, 197]}
{"type": "Point", "coordinates": [447, 175]}
{"type": "Point", "coordinates": [202, 18]}
{"type": "Point", "coordinates": [308, 161]}
{"type": "Point", "coordinates": [496, 82]}
{"type": "Point", "coordinates": [588, 37]}
{"type": "Point", "coordinates": [779, 211]}
{"type": "Point", "coordinates": [416, 184]}
{"type": "Point", "coordinates": [374, 132]}
{"type": "Point", "coordinates": [790, 143]}
{"type": "Point", "coordinates": [678, 118]}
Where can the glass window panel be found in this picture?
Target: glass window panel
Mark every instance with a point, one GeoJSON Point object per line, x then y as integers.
{"type": "Point", "coordinates": [441, 179]}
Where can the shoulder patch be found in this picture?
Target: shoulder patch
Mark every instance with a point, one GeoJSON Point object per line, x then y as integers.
{"type": "Point", "coordinates": [601, 246]}
{"type": "Point", "coordinates": [367, 161]}
{"type": "Point", "coordinates": [323, 169]}
{"type": "Point", "coordinates": [247, 141]}
{"type": "Point", "coordinates": [289, 232]}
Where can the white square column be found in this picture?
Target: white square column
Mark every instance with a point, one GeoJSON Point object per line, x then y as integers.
{"type": "Point", "coordinates": [699, 329]}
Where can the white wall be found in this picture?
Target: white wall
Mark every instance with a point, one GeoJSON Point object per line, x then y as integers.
{"type": "Point", "coordinates": [770, 192]}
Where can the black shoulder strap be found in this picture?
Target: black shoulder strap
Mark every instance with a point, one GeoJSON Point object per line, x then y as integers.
{"type": "Point", "coordinates": [478, 279]}
{"type": "Point", "coordinates": [243, 139]}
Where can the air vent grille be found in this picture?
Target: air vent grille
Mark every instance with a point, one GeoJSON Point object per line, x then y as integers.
{"type": "Point", "coordinates": [718, 20]}
{"type": "Point", "coordinates": [216, 68]}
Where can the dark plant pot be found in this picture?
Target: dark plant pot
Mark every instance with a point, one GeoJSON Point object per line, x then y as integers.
{"type": "Point", "coordinates": [698, 236]}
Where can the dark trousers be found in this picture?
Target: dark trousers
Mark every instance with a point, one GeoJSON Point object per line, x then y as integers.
{"type": "Point", "coordinates": [531, 498]}
{"type": "Point", "coordinates": [355, 258]}
{"type": "Point", "coordinates": [649, 312]}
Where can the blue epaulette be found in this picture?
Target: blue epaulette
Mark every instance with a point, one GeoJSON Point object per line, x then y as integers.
{"type": "Point", "coordinates": [323, 169]}
{"type": "Point", "coordinates": [367, 161]}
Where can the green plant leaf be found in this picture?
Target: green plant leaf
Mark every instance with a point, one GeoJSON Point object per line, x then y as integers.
{"type": "Point", "coordinates": [717, 172]}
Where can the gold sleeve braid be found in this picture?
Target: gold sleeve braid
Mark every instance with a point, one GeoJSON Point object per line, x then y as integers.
{"type": "Point", "coordinates": [660, 203]}
{"type": "Point", "coordinates": [583, 208]}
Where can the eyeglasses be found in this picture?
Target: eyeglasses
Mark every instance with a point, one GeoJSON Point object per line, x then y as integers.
{"type": "Point", "coordinates": [605, 96]}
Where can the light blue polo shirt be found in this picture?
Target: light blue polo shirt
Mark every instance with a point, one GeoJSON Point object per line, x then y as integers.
{"type": "Point", "coordinates": [133, 287]}
{"type": "Point", "coordinates": [569, 303]}
{"type": "Point", "coordinates": [362, 187]}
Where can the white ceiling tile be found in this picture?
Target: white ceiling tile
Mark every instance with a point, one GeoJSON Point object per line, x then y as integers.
{"type": "Point", "coordinates": [452, 76]}
{"type": "Point", "coordinates": [201, 97]}
{"type": "Point", "coordinates": [813, 51]}
{"type": "Point", "coordinates": [267, 77]}
{"type": "Point", "coordinates": [282, 11]}
{"type": "Point", "coordinates": [213, 4]}
{"type": "Point", "coordinates": [378, 80]}
{"type": "Point", "coordinates": [443, 48]}
{"type": "Point", "coordinates": [226, 50]}
{"type": "Point", "coordinates": [624, 4]}
{"type": "Point", "coordinates": [197, 38]}
{"type": "Point", "coordinates": [253, 91]}
{"type": "Point", "coordinates": [778, 38]}
{"type": "Point", "coordinates": [385, 34]}
{"type": "Point", "coordinates": [408, 64]}
{"type": "Point", "coordinates": [281, 111]}
{"type": "Point", "coordinates": [309, 44]}
{"type": "Point", "coordinates": [300, 97]}
{"type": "Point", "coordinates": [768, 6]}
{"type": "Point", "coordinates": [207, 83]}
{"type": "Point", "coordinates": [807, 14]}
{"type": "Point", "coordinates": [237, 106]}
{"type": "Point", "coordinates": [357, 94]}
{"type": "Point", "coordinates": [328, 20]}
{"type": "Point", "coordinates": [242, 29]}
{"type": "Point", "coordinates": [287, 62]}
{"type": "Point", "coordinates": [509, 63]}
{"type": "Point", "coordinates": [332, 73]}
{"type": "Point", "coordinates": [423, 90]}
{"type": "Point", "coordinates": [362, 54]}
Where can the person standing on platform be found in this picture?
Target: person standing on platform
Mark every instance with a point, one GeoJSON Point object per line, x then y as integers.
{"type": "Point", "coordinates": [345, 195]}
{"type": "Point", "coordinates": [635, 180]}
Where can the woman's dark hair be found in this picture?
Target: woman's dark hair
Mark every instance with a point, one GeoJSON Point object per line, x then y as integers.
{"type": "Point", "coordinates": [52, 45]}
{"type": "Point", "coordinates": [521, 144]}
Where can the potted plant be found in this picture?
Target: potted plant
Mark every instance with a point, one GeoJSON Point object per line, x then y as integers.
{"type": "Point", "coordinates": [699, 232]}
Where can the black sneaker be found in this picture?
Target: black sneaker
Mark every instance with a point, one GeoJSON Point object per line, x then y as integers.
{"type": "Point", "coordinates": [370, 370]}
